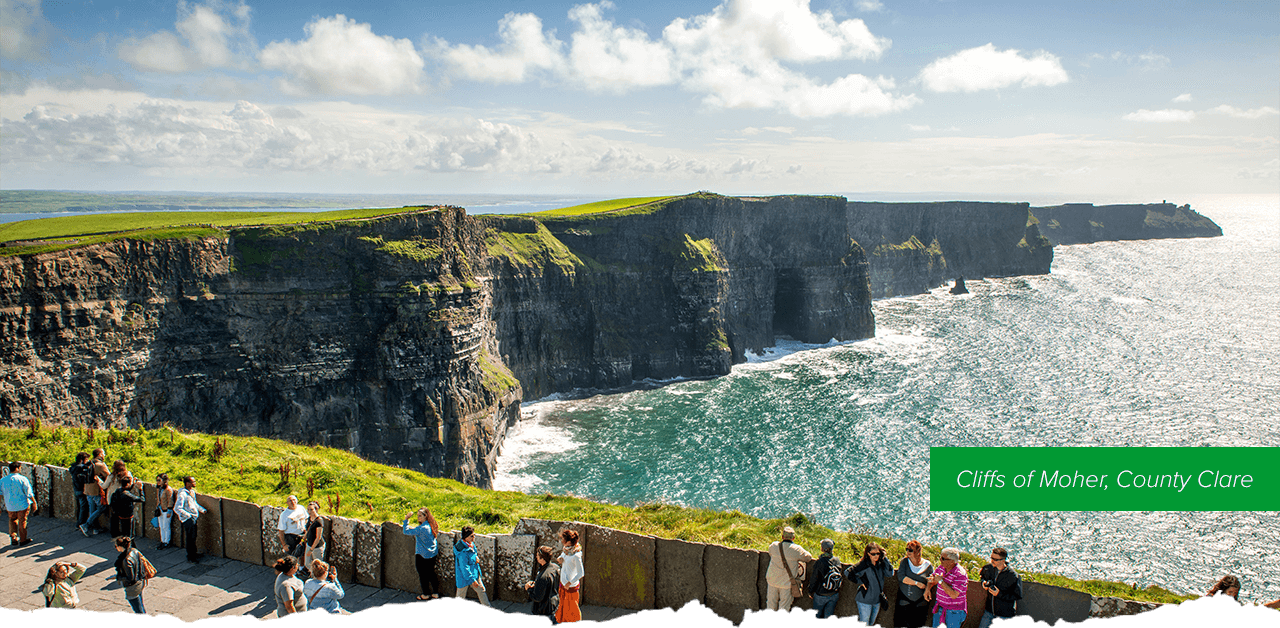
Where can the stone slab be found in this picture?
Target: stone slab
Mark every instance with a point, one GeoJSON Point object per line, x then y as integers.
{"type": "Point", "coordinates": [514, 565]}
{"type": "Point", "coordinates": [1048, 603]}
{"type": "Point", "coordinates": [975, 597]}
{"type": "Point", "coordinates": [42, 485]}
{"type": "Point", "coordinates": [149, 493]}
{"type": "Point", "coordinates": [62, 495]}
{"type": "Point", "coordinates": [267, 531]}
{"type": "Point", "coordinates": [342, 547]}
{"type": "Point", "coordinates": [444, 563]}
{"type": "Point", "coordinates": [547, 532]}
{"type": "Point", "coordinates": [242, 531]}
{"type": "Point", "coordinates": [730, 575]}
{"type": "Point", "coordinates": [621, 568]}
{"type": "Point", "coordinates": [368, 554]}
{"type": "Point", "coordinates": [398, 569]}
{"type": "Point", "coordinates": [678, 575]}
{"type": "Point", "coordinates": [1112, 606]}
{"type": "Point", "coordinates": [487, 554]}
{"type": "Point", "coordinates": [209, 526]}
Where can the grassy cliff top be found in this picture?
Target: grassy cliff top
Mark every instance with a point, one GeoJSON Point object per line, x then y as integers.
{"type": "Point", "coordinates": [42, 235]}
{"type": "Point", "coordinates": [600, 206]}
{"type": "Point", "coordinates": [254, 469]}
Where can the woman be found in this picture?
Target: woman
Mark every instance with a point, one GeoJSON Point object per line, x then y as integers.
{"type": "Point", "coordinates": [288, 588]}
{"type": "Point", "coordinates": [323, 589]}
{"type": "Point", "coordinates": [425, 551]}
{"type": "Point", "coordinates": [913, 579]}
{"type": "Point", "coordinates": [313, 538]}
{"type": "Point", "coordinates": [60, 585]}
{"type": "Point", "coordinates": [542, 593]}
{"type": "Point", "coordinates": [164, 511]}
{"type": "Point", "coordinates": [1228, 585]}
{"type": "Point", "coordinates": [947, 588]}
{"type": "Point", "coordinates": [119, 471]}
{"type": "Point", "coordinates": [868, 576]}
{"type": "Point", "coordinates": [129, 573]}
{"type": "Point", "coordinates": [466, 566]}
{"type": "Point", "coordinates": [571, 573]}
{"type": "Point", "coordinates": [122, 501]}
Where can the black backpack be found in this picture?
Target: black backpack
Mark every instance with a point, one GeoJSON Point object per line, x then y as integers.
{"type": "Point", "coordinates": [834, 578]}
{"type": "Point", "coordinates": [80, 474]}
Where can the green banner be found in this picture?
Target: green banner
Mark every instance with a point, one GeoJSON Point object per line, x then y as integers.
{"type": "Point", "coordinates": [1104, 478]}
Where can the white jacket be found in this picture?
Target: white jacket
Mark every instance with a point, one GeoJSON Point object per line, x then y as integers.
{"type": "Point", "coordinates": [187, 507]}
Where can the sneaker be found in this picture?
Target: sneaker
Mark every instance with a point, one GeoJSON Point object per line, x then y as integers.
{"type": "Point", "coordinates": [84, 529]}
{"type": "Point", "coordinates": [25, 542]}
{"type": "Point", "coordinates": [162, 546]}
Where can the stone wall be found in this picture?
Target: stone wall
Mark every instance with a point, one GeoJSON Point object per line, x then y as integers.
{"type": "Point", "coordinates": [624, 570]}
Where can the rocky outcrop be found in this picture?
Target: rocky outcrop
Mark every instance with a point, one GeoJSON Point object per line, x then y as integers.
{"type": "Point", "coordinates": [913, 247]}
{"type": "Point", "coordinates": [1081, 223]}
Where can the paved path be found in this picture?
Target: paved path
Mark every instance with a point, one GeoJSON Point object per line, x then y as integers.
{"type": "Point", "coordinates": [215, 587]}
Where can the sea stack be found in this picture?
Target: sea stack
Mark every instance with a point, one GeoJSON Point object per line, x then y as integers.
{"type": "Point", "coordinates": [959, 288]}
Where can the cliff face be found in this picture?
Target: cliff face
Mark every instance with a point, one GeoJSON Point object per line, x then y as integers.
{"type": "Point", "coordinates": [913, 247]}
{"type": "Point", "coordinates": [682, 288]}
{"type": "Point", "coordinates": [1081, 223]}
{"type": "Point", "coordinates": [372, 336]}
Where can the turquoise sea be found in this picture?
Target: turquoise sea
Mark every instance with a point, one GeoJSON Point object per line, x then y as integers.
{"type": "Point", "coordinates": [1142, 343]}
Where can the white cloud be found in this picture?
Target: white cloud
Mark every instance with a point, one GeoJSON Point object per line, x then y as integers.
{"type": "Point", "coordinates": [985, 67]}
{"type": "Point", "coordinates": [23, 29]}
{"type": "Point", "coordinates": [342, 56]}
{"type": "Point", "coordinates": [606, 57]}
{"type": "Point", "coordinates": [1251, 114]}
{"type": "Point", "coordinates": [1162, 115]}
{"type": "Point", "coordinates": [1182, 98]}
{"type": "Point", "coordinates": [870, 6]}
{"type": "Point", "coordinates": [918, 127]}
{"type": "Point", "coordinates": [213, 35]}
{"type": "Point", "coordinates": [525, 47]}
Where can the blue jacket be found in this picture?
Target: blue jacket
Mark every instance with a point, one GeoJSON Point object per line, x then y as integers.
{"type": "Point", "coordinates": [466, 565]}
{"type": "Point", "coordinates": [864, 574]}
{"type": "Point", "coordinates": [324, 595]}
{"type": "Point", "coordinates": [17, 492]}
{"type": "Point", "coordinates": [424, 542]}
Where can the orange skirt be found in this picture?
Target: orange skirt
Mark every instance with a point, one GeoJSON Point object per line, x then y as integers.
{"type": "Point", "coordinates": [568, 609]}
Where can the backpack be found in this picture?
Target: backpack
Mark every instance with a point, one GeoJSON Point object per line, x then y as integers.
{"type": "Point", "coordinates": [834, 578]}
{"type": "Point", "coordinates": [80, 474]}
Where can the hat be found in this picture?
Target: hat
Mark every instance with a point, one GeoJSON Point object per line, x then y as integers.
{"type": "Point", "coordinates": [827, 545]}
{"type": "Point", "coordinates": [788, 533]}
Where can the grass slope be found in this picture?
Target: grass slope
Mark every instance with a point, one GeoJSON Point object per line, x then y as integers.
{"type": "Point", "coordinates": [249, 469]}
{"type": "Point", "coordinates": [600, 206]}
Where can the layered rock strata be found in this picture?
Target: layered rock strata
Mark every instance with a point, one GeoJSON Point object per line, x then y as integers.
{"type": "Point", "coordinates": [1082, 223]}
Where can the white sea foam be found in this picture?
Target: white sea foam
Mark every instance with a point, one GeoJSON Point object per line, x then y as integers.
{"type": "Point", "coordinates": [528, 438]}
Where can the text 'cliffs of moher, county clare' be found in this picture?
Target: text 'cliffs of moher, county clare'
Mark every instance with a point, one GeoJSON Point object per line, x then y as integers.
{"type": "Point", "coordinates": [412, 338]}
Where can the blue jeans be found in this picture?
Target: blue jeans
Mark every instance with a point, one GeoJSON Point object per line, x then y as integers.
{"type": "Point", "coordinates": [96, 508]}
{"type": "Point", "coordinates": [825, 604]}
{"type": "Point", "coordinates": [136, 603]}
{"type": "Point", "coordinates": [953, 619]}
{"type": "Point", "coordinates": [987, 618]}
{"type": "Point", "coordinates": [82, 509]}
{"type": "Point", "coordinates": [867, 612]}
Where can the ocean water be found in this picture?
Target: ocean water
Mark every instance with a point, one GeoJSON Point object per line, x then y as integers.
{"type": "Point", "coordinates": [1143, 343]}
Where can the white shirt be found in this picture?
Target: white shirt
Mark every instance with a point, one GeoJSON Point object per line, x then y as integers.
{"type": "Point", "coordinates": [572, 571]}
{"type": "Point", "coordinates": [291, 520]}
{"type": "Point", "coordinates": [187, 507]}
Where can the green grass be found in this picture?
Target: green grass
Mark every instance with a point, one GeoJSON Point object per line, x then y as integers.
{"type": "Point", "coordinates": [92, 229]}
{"type": "Point", "coordinates": [699, 255]}
{"type": "Point", "coordinates": [249, 471]}
{"type": "Point", "coordinates": [58, 244]}
{"type": "Point", "coordinates": [536, 249]}
{"type": "Point", "coordinates": [600, 206]}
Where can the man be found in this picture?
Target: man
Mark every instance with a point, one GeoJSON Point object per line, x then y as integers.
{"type": "Point", "coordinates": [785, 559]}
{"type": "Point", "coordinates": [20, 501]}
{"type": "Point", "coordinates": [164, 518]}
{"type": "Point", "coordinates": [189, 511]}
{"type": "Point", "coordinates": [290, 526]}
{"type": "Point", "coordinates": [1003, 586]}
{"type": "Point", "coordinates": [80, 474]}
{"type": "Point", "coordinates": [824, 583]}
{"type": "Point", "coordinates": [93, 491]}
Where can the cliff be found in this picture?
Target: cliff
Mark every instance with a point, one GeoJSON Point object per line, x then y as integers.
{"type": "Point", "coordinates": [1081, 223]}
{"type": "Point", "coordinates": [913, 247]}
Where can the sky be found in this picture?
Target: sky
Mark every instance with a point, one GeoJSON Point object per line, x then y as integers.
{"type": "Point", "coordinates": [1102, 101]}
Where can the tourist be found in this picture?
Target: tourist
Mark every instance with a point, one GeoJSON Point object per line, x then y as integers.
{"type": "Point", "coordinates": [290, 527]}
{"type": "Point", "coordinates": [313, 539]}
{"type": "Point", "coordinates": [130, 572]}
{"type": "Point", "coordinates": [80, 472]}
{"type": "Point", "coordinates": [868, 575]}
{"type": "Point", "coordinates": [425, 551]}
{"type": "Point", "coordinates": [466, 566]}
{"type": "Point", "coordinates": [94, 492]}
{"type": "Point", "coordinates": [288, 588]}
{"type": "Point", "coordinates": [948, 586]}
{"type": "Point", "coordinates": [1003, 587]}
{"type": "Point", "coordinates": [189, 510]}
{"type": "Point", "coordinates": [323, 589]}
{"type": "Point", "coordinates": [122, 502]}
{"type": "Point", "coordinates": [785, 566]}
{"type": "Point", "coordinates": [913, 579]}
{"type": "Point", "coordinates": [1227, 585]}
{"type": "Point", "coordinates": [119, 471]}
{"type": "Point", "coordinates": [543, 593]}
{"type": "Point", "coordinates": [571, 573]}
{"type": "Point", "coordinates": [825, 581]}
{"type": "Point", "coordinates": [166, 497]}
{"type": "Point", "coordinates": [60, 585]}
{"type": "Point", "coordinates": [20, 501]}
